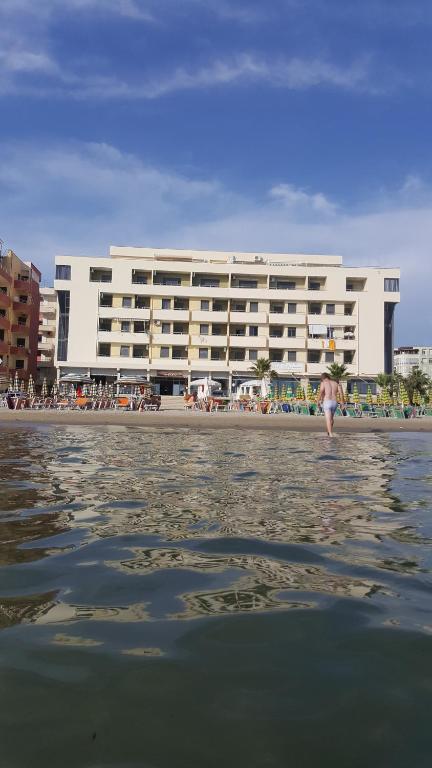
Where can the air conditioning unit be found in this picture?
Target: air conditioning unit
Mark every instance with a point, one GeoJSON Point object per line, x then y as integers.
{"type": "Point", "coordinates": [157, 322]}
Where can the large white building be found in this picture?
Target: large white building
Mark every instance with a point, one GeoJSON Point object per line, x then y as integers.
{"type": "Point", "coordinates": [180, 314]}
{"type": "Point", "coordinates": [47, 336]}
{"type": "Point", "coordinates": [407, 358]}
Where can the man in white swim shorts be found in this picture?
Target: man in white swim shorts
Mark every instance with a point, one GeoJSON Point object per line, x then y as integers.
{"type": "Point", "coordinates": [328, 393]}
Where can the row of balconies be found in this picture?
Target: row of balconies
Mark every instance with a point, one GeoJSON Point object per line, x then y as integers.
{"type": "Point", "coordinates": [222, 340]}
{"type": "Point", "coordinates": [183, 366]}
{"type": "Point", "coordinates": [252, 318]}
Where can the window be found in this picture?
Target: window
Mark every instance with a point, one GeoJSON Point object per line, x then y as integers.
{"type": "Point", "coordinates": [3, 313]}
{"type": "Point", "coordinates": [125, 326]}
{"type": "Point", "coordinates": [20, 343]}
{"type": "Point", "coordinates": [253, 306]}
{"type": "Point", "coordinates": [139, 277]}
{"type": "Point", "coordinates": [39, 336]}
{"type": "Point", "coordinates": [330, 309]}
{"type": "Point", "coordinates": [166, 327]}
{"type": "Point", "coordinates": [238, 306]}
{"type": "Point", "coordinates": [277, 309]}
{"type": "Point", "coordinates": [166, 303]}
{"type": "Point", "coordinates": [104, 350]}
{"type": "Point", "coordinates": [209, 282]}
{"type": "Point", "coordinates": [253, 354]}
{"type": "Point", "coordinates": [105, 300]}
{"type": "Point", "coordinates": [100, 275]}
{"type": "Point", "coordinates": [348, 309]}
{"type": "Point", "coordinates": [63, 272]}
{"type": "Point", "coordinates": [127, 302]}
{"type": "Point", "coordinates": [203, 354]}
{"type": "Point", "coordinates": [139, 350]}
{"type": "Point", "coordinates": [204, 329]}
{"type": "Point", "coordinates": [105, 323]}
{"type": "Point", "coordinates": [19, 364]}
{"type": "Point", "coordinates": [391, 284]}
{"type": "Point", "coordinates": [236, 354]}
{"type": "Point", "coordinates": [3, 289]}
{"type": "Point", "coordinates": [275, 331]}
{"type": "Point", "coordinates": [124, 351]}
{"type": "Point", "coordinates": [205, 305]}
{"type": "Point", "coordinates": [291, 355]}
{"type": "Point", "coordinates": [253, 330]}
{"type": "Point", "coordinates": [248, 283]}
{"type": "Point", "coordinates": [22, 320]}
{"type": "Point", "coordinates": [165, 352]}
{"type": "Point", "coordinates": [292, 308]}
{"type": "Point", "coordinates": [238, 330]}
{"type": "Point", "coordinates": [139, 326]}
{"type": "Point", "coordinates": [313, 285]}
{"type": "Point", "coordinates": [283, 285]}
{"type": "Point", "coordinates": [220, 306]}
{"type": "Point", "coordinates": [181, 303]}
{"type": "Point", "coordinates": [348, 357]}
{"type": "Point", "coordinates": [313, 356]}
{"type": "Point", "coordinates": [218, 330]}
{"type": "Point", "coordinates": [142, 302]}
{"type": "Point", "coordinates": [292, 332]}
{"type": "Point", "coordinates": [180, 328]}
{"type": "Point", "coordinates": [2, 335]}
{"type": "Point", "coordinates": [315, 309]}
{"type": "Point", "coordinates": [169, 281]}
{"type": "Point", "coordinates": [329, 357]}
{"type": "Point", "coordinates": [63, 324]}
{"type": "Point", "coordinates": [217, 354]}
{"type": "Point", "coordinates": [179, 353]}
{"type": "Point", "coordinates": [276, 355]}
{"type": "Point", "coordinates": [23, 299]}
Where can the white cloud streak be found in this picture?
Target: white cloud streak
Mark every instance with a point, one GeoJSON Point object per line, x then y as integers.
{"type": "Point", "coordinates": [82, 197]}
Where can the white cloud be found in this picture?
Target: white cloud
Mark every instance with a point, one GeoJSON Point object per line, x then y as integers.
{"type": "Point", "coordinates": [82, 197]}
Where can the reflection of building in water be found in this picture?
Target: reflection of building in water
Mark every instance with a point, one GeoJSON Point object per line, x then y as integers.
{"type": "Point", "coordinates": [259, 590]}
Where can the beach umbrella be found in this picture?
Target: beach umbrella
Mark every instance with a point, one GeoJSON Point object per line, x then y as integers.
{"type": "Point", "coordinates": [416, 397]}
{"type": "Point", "coordinates": [15, 385]}
{"type": "Point", "coordinates": [283, 392]}
{"type": "Point", "coordinates": [403, 394]}
{"type": "Point", "coordinates": [99, 389]}
{"type": "Point", "coordinates": [11, 386]}
{"type": "Point", "coordinates": [289, 393]}
{"type": "Point", "coordinates": [430, 396]}
{"type": "Point", "coordinates": [369, 398]}
{"type": "Point", "coordinates": [275, 391]}
{"type": "Point", "coordinates": [299, 392]}
{"type": "Point", "coordinates": [309, 392]}
{"type": "Point", "coordinates": [22, 385]}
{"type": "Point", "coordinates": [355, 395]}
{"type": "Point", "coordinates": [44, 390]}
{"type": "Point", "coordinates": [54, 389]}
{"type": "Point", "coordinates": [30, 387]}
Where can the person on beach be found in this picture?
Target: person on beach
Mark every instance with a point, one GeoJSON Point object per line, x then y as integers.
{"type": "Point", "coordinates": [328, 393]}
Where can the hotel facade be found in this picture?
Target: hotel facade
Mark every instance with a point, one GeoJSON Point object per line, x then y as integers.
{"type": "Point", "coordinates": [19, 318]}
{"type": "Point", "coordinates": [175, 315]}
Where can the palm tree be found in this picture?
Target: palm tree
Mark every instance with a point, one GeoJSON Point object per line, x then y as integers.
{"type": "Point", "coordinates": [337, 371]}
{"type": "Point", "coordinates": [417, 381]}
{"type": "Point", "coordinates": [262, 369]}
{"type": "Point", "coordinates": [389, 381]}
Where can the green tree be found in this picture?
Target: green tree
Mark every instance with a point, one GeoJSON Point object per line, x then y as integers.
{"type": "Point", "coordinates": [337, 371]}
{"type": "Point", "coordinates": [262, 369]}
{"type": "Point", "coordinates": [417, 381]}
{"type": "Point", "coordinates": [389, 381]}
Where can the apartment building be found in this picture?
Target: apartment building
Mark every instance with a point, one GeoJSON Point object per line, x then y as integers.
{"type": "Point", "coordinates": [179, 314]}
{"type": "Point", "coordinates": [407, 358]}
{"type": "Point", "coordinates": [19, 317]}
{"type": "Point", "coordinates": [47, 336]}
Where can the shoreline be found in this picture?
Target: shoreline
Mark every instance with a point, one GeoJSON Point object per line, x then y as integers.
{"type": "Point", "coordinates": [179, 419]}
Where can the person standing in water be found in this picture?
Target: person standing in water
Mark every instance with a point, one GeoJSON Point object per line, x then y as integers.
{"type": "Point", "coordinates": [328, 393]}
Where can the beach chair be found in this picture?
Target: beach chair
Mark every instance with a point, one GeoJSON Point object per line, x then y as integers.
{"type": "Point", "coordinates": [396, 412]}
{"type": "Point", "coordinates": [379, 412]}
{"type": "Point", "coordinates": [352, 412]}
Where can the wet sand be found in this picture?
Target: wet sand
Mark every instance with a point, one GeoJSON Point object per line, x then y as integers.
{"type": "Point", "coordinates": [177, 419]}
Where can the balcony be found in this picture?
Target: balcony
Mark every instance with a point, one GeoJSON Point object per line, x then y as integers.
{"type": "Point", "coordinates": [4, 323]}
{"type": "Point", "coordinates": [4, 347]}
{"type": "Point", "coordinates": [24, 330]}
{"type": "Point", "coordinates": [208, 340]}
{"type": "Point", "coordinates": [23, 285]}
{"type": "Point", "coordinates": [5, 300]}
{"type": "Point", "coordinates": [46, 346]}
{"type": "Point", "coordinates": [247, 342]}
{"type": "Point", "coordinates": [287, 342]}
{"type": "Point", "coordinates": [251, 318]}
{"type": "Point", "coordinates": [122, 337]}
{"type": "Point", "coordinates": [167, 315]}
{"type": "Point", "coordinates": [17, 351]}
{"type": "Point", "coordinates": [170, 339]}
{"type": "Point", "coordinates": [171, 364]}
{"type": "Point", "coordinates": [332, 321]}
{"type": "Point", "coordinates": [200, 316]}
{"type": "Point", "coordinates": [286, 318]}
{"type": "Point", "coordinates": [117, 361]}
{"type": "Point", "coordinates": [124, 313]}
{"type": "Point", "coordinates": [22, 306]}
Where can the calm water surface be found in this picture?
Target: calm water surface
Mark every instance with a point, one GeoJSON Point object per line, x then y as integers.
{"type": "Point", "coordinates": [201, 599]}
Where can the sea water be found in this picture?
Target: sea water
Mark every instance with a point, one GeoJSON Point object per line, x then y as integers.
{"type": "Point", "coordinates": [181, 598]}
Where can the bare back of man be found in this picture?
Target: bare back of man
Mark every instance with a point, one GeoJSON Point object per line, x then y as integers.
{"type": "Point", "coordinates": [328, 394]}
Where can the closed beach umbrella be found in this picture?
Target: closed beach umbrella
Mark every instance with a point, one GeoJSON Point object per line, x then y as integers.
{"type": "Point", "coordinates": [369, 398]}
{"type": "Point", "coordinates": [44, 390]}
{"type": "Point", "coordinates": [289, 393]}
{"type": "Point", "coordinates": [22, 385]}
{"type": "Point", "coordinates": [283, 392]}
{"type": "Point", "coordinates": [403, 394]}
{"type": "Point", "coordinates": [275, 391]}
{"type": "Point", "coordinates": [355, 395]}
{"type": "Point", "coordinates": [299, 392]}
{"type": "Point", "coordinates": [416, 397]}
{"type": "Point", "coordinates": [54, 389]}
{"type": "Point", "coordinates": [309, 392]}
{"type": "Point", "coordinates": [99, 391]}
{"type": "Point", "coordinates": [30, 388]}
{"type": "Point", "coordinates": [11, 386]}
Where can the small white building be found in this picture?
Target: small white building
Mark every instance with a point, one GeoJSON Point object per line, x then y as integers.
{"type": "Point", "coordinates": [407, 358]}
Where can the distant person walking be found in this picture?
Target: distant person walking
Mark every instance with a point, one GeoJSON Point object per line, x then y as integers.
{"type": "Point", "coordinates": [328, 393]}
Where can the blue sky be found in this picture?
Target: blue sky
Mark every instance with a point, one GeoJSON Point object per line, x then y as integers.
{"type": "Point", "coordinates": [288, 125]}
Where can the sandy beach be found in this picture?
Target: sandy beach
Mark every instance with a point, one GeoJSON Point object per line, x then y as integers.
{"type": "Point", "coordinates": [169, 418]}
